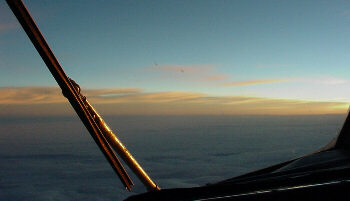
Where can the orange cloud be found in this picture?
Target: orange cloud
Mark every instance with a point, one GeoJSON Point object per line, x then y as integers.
{"type": "Point", "coordinates": [40, 95]}
{"type": "Point", "coordinates": [215, 77]}
{"type": "Point", "coordinates": [30, 95]}
{"type": "Point", "coordinates": [254, 82]}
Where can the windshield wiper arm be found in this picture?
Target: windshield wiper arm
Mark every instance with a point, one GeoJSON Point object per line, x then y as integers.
{"type": "Point", "coordinates": [97, 128]}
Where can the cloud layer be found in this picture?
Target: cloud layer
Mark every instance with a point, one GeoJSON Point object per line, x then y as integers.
{"type": "Point", "coordinates": [49, 101]}
{"type": "Point", "coordinates": [55, 159]}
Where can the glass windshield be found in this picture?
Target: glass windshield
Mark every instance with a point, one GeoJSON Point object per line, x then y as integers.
{"type": "Point", "coordinates": [197, 91]}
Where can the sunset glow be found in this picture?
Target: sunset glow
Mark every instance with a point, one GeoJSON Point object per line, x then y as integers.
{"type": "Point", "coordinates": [182, 58]}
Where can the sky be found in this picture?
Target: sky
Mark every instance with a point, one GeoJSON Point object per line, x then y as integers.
{"type": "Point", "coordinates": [181, 57]}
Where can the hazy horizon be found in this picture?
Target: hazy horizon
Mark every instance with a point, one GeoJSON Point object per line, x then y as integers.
{"type": "Point", "coordinates": [49, 101]}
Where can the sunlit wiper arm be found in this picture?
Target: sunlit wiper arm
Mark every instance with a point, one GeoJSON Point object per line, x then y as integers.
{"type": "Point", "coordinates": [92, 121]}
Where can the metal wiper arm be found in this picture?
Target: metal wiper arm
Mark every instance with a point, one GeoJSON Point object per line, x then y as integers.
{"type": "Point", "coordinates": [97, 128]}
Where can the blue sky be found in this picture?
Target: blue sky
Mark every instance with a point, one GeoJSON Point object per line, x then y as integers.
{"type": "Point", "coordinates": [272, 49]}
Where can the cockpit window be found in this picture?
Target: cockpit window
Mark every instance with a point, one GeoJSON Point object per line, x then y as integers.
{"type": "Point", "coordinates": [198, 91]}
